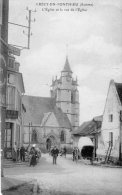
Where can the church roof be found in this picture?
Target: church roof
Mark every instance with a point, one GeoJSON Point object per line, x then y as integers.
{"type": "Point", "coordinates": [39, 109]}
{"type": "Point", "coordinates": [119, 90]}
{"type": "Point", "coordinates": [36, 107]}
{"type": "Point", "coordinates": [67, 66]}
{"type": "Point", "coordinates": [62, 118]}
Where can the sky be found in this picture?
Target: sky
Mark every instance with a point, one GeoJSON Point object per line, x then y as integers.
{"type": "Point", "coordinates": [94, 39]}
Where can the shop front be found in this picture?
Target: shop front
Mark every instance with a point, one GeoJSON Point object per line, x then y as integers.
{"type": "Point", "coordinates": [12, 133]}
{"type": "Point", "coordinates": [8, 140]}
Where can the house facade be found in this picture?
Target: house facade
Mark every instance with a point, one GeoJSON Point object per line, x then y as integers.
{"type": "Point", "coordinates": [111, 130]}
{"type": "Point", "coordinates": [14, 109]}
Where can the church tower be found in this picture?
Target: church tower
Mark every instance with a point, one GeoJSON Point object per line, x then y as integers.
{"type": "Point", "coordinates": [65, 91]}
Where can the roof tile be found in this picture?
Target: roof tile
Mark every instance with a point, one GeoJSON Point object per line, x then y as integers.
{"type": "Point", "coordinates": [36, 107]}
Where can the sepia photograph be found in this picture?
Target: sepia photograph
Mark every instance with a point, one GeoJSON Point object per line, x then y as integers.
{"type": "Point", "coordinates": [61, 97]}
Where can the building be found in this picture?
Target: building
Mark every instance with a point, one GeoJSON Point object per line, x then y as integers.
{"type": "Point", "coordinates": [90, 129]}
{"type": "Point", "coordinates": [49, 121]}
{"type": "Point", "coordinates": [4, 8]}
{"type": "Point", "coordinates": [110, 142]}
{"type": "Point", "coordinates": [14, 109]}
{"type": "Point", "coordinates": [66, 94]}
{"type": "Point", "coordinates": [35, 109]}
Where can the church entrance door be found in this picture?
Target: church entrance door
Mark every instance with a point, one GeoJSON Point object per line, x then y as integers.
{"type": "Point", "coordinates": [51, 141]}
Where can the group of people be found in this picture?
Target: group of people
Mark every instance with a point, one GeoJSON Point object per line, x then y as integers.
{"type": "Point", "coordinates": [18, 154]}
{"type": "Point", "coordinates": [63, 151]}
{"type": "Point", "coordinates": [32, 155]}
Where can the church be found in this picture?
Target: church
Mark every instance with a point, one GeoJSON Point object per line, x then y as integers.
{"type": "Point", "coordinates": [49, 121]}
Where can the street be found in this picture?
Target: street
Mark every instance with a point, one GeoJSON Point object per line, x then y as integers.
{"type": "Point", "coordinates": [68, 177]}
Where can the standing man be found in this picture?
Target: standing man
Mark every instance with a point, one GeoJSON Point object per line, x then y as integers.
{"type": "Point", "coordinates": [18, 154]}
{"type": "Point", "coordinates": [54, 153]}
{"type": "Point", "coordinates": [65, 151]}
{"type": "Point", "coordinates": [22, 153]}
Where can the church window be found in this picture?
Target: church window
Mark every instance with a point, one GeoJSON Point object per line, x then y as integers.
{"type": "Point", "coordinates": [34, 136]}
{"type": "Point", "coordinates": [62, 138]}
{"type": "Point", "coordinates": [73, 97]}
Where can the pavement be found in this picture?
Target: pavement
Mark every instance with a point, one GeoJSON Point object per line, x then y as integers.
{"type": "Point", "coordinates": [9, 183]}
{"type": "Point", "coordinates": [66, 176]}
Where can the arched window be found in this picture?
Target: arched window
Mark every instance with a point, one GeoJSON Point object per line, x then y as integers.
{"type": "Point", "coordinates": [62, 136]}
{"type": "Point", "coordinates": [34, 136]}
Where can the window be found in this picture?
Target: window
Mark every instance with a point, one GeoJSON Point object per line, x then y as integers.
{"type": "Point", "coordinates": [11, 62]}
{"type": "Point", "coordinates": [62, 136]}
{"type": "Point", "coordinates": [34, 136]}
{"type": "Point", "coordinates": [18, 102]}
{"type": "Point", "coordinates": [11, 78]}
{"type": "Point", "coordinates": [73, 97]}
{"type": "Point", "coordinates": [110, 117]}
{"type": "Point", "coordinates": [10, 101]}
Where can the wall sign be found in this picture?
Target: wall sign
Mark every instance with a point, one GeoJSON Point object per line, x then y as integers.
{"type": "Point", "coordinates": [11, 114]}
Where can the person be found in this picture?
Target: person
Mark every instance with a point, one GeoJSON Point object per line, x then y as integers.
{"type": "Point", "coordinates": [38, 153]}
{"type": "Point", "coordinates": [22, 153]}
{"type": "Point", "coordinates": [55, 153]}
{"type": "Point", "coordinates": [18, 154]}
{"type": "Point", "coordinates": [76, 154]}
{"type": "Point", "coordinates": [32, 153]}
{"type": "Point", "coordinates": [14, 155]}
{"type": "Point", "coordinates": [73, 153]}
{"type": "Point", "coordinates": [65, 151]}
{"type": "Point", "coordinates": [61, 152]}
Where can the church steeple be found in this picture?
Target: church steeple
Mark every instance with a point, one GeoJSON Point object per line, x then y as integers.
{"type": "Point", "coordinates": [67, 66]}
{"type": "Point", "coordinates": [66, 94]}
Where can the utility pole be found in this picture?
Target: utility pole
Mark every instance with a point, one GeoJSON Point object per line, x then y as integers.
{"type": "Point", "coordinates": [30, 127]}
{"type": "Point", "coordinates": [28, 27]}
{"type": "Point", "coordinates": [29, 134]}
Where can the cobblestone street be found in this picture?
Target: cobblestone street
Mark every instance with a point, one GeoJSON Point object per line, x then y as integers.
{"type": "Point", "coordinates": [69, 177]}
